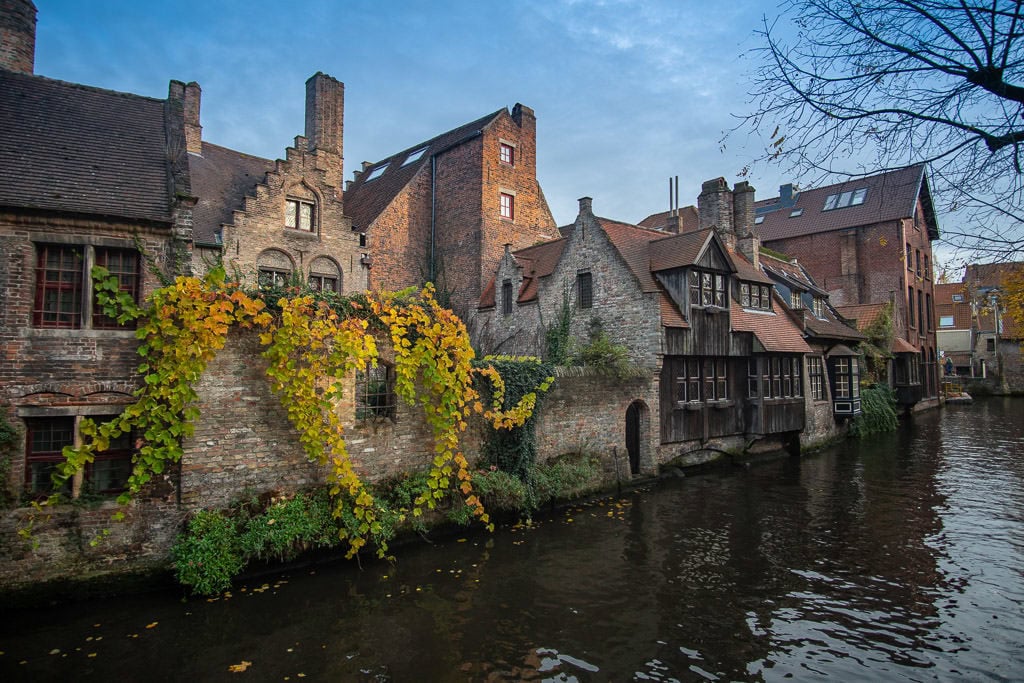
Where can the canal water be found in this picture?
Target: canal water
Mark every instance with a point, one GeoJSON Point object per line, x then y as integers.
{"type": "Point", "coordinates": [895, 558]}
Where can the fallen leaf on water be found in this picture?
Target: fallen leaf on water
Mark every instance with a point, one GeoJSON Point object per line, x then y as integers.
{"type": "Point", "coordinates": [153, 625]}
{"type": "Point", "coordinates": [55, 651]}
{"type": "Point", "coordinates": [239, 668]}
{"type": "Point", "coordinates": [461, 540]}
{"type": "Point", "coordinates": [301, 675]}
{"type": "Point", "coordinates": [91, 654]}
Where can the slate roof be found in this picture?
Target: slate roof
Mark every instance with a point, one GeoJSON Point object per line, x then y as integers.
{"type": "Point", "coordinates": [73, 148]}
{"type": "Point", "coordinates": [774, 329]}
{"type": "Point", "coordinates": [365, 200]}
{"type": "Point", "coordinates": [829, 327]}
{"type": "Point", "coordinates": [678, 251]}
{"type": "Point", "coordinates": [688, 220]}
{"type": "Point", "coordinates": [746, 271]}
{"type": "Point", "coordinates": [890, 196]}
{"type": "Point", "coordinates": [221, 179]}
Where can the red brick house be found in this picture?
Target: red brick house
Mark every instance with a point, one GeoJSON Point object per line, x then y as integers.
{"type": "Point", "coordinates": [868, 241]}
{"type": "Point", "coordinates": [996, 336]}
{"type": "Point", "coordinates": [442, 210]}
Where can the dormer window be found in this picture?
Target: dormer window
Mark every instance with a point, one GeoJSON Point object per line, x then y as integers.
{"type": "Point", "coordinates": [507, 154]}
{"type": "Point", "coordinates": [818, 307]}
{"type": "Point", "coordinates": [795, 302]}
{"type": "Point", "coordinates": [755, 296]}
{"type": "Point", "coordinates": [841, 200]}
{"type": "Point", "coordinates": [300, 214]}
{"type": "Point", "coordinates": [707, 289]}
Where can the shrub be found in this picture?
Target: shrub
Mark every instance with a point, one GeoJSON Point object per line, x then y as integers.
{"type": "Point", "coordinates": [603, 355]}
{"type": "Point", "coordinates": [289, 527]}
{"type": "Point", "coordinates": [500, 490]}
{"type": "Point", "coordinates": [208, 555]}
{"type": "Point", "coordinates": [878, 412]}
{"type": "Point", "coordinates": [567, 477]}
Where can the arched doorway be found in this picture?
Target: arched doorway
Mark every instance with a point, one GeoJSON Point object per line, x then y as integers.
{"type": "Point", "coordinates": [636, 434]}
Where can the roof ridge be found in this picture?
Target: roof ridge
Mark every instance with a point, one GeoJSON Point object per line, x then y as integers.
{"type": "Point", "coordinates": [430, 141]}
{"type": "Point", "coordinates": [81, 86]}
{"type": "Point", "coordinates": [235, 151]}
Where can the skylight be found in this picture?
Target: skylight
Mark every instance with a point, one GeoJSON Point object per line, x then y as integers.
{"type": "Point", "coordinates": [376, 173]}
{"type": "Point", "coordinates": [415, 155]}
{"type": "Point", "coordinates": [841, 200]}
{"type": "Point", "coordinates": [796, 212]}
{"type": "Point", "coordinates": [759, 220]}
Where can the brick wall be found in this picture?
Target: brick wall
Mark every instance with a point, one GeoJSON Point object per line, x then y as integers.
{"type": "Point", "coordinates": [400, 237]}
{"type": "Point", "coordinates": [17, 36]}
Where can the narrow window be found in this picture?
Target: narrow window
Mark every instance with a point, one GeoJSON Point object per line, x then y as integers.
{"type": "Point", "coordinates": [990, 344]}
{"type": "Point", "coordinates": [722, 379]}
{"type": "Point", "coordinates": [300, 215]}
{"type": "Point", "coordinates": [917, 261]}
{"type": "Point", "coordinates": [745, 295]}
{"type": "Point", "coordinates": [694, 288]}
{"type": "Point", "coordinates": [842, 372]}
{"type": "Point", "coordinates": [928, 309]}
{"type": "Point", "coordinates": [920, 309]}
{"type": "Point", "coordinates": [720, 290]}
{"type": "Point", "coordinates": [585, 290]}
{"type": "Point", "coordinates": [798, 385]}
{"type": "Point", "coordinates": [787, 376]}
{"type": "Point", "coordinates": [776, 377]}
{"type": "Point", "coordinates": [693, 380]}
{"type": "Point", "coordinates": [910, 305]}
{"type": "Point", "coordinates": [46, 437]}
{"type": "Point", "coordinates": [508, 206]}
{"type": "Point", "coordinates": [818, 307]}
{"type": "Point", "coordinates": [58, 300]}
{"type": "Point", "coordinates": [752, 373]}
{"type": "Point", "coordinates": [375, 392]}
{"type": "Point", "coordinates": [110, 470]}
{"type": "Point", "coordinates": [508, 154]}
{"type": "Point", "coordinates": [910, 262]}
{"type": "Point", "coordinates": [815, 371]}
{"type": "Point", "coordinates": [506, 297]}
{"type": "Point", "coordinates": [124, 265]}
{"type": "Point", "coordinates": [794, 300]}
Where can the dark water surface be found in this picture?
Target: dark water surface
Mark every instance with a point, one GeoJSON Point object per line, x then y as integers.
{"type": "Point", "coordinates": [898, 558]}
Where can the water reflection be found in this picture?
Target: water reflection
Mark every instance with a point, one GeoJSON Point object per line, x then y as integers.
{"type": "Point", "coordinates": [898, 558]}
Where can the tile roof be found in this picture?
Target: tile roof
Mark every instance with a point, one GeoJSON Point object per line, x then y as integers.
{"type": "Point", "coordinates": [900, 345]}
{"type": "Point", "coordinates": [791, 271]}
{"type": "Point", "coordinates": [70, 147]}
{"type": "Point", "coordinates": [890, 196]}
{"type": "Point", "coordinates": [537, 261]}
{"type": "Point", "coordinates": [775, 330]}
{"type": "Point", "coordinates": [221, 179]}
{"type": "Point", "coordinates": [365, 200]}
{"type": "Point", "coordinates": [689, 221]}
{"type": "Point", "coordinates": [829, 327]}
{"type": "Point", "coordinates": [746, 271]}
{"type": "Point", "coordinates": [678, 251]}
{"type": "Point", "coordinates": [862, 314]}
{"type": "Point", "coordinates": [945, 306]}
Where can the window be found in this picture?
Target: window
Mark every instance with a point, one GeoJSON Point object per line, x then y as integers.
{"type": "Point", "coordinates": [795, 302]}
{"type": "Point", "coordinates": [946, 321]}
{"type": "Point", "coordinates": [920, 309]}
{"type": "Point", "coordinates": [376, 172]}
{"type": "Point", "coordinates": [917, 261]}
{"type": "Point", "coordinates": [795, 213]}
{"type": "Point", "coordinates": [752, 376]}
{"type": "Point", "coordinates": [300, 214]}
{"type": "Point", "coordinates": [927, 270]}
{"type": "Point", "coordinates": [507, 154]}
{"type": "Point", "coordinates": [818, 307]}
{"type": "Point", "coordinates": [910, 305]}
{"type": "Point", "coordinates": [324, 275]}
{"type": "Point", "coordinates": [584, 290]}
{"type": "Point", "coordinates": [844, 199]}
{"type": "Point", "coordinates": [711, 373]}
{"type": "Point", "coordinates": [990, 344]}
{"type": "Point", "coordinates": [506, 297]}
{"type": "Point", "coordinates": [759, 220]}
{"type": "Point", "coordinates": [910, 262]}
{"type": "Point", "coordinates": [847, 378]}
{"type": "Point", "coordinates": [274, 268]}
{"type": "Point", "coordinates": [707, 289]}
{"type": "Point", "coordinates": [958, 298]}
{"type": "Point", "coordinates": [755, 296]}
{"type": "Point", "coordinates": [46, 437]}
{"type": "Point", "coordinates": [413, 156]}
{"type": "Point", "coordinates": [928, 309]}
{"type": "Point", "coordinates": [508, 206]}
{"type": "Point", "coordinates": [816, 373]}
{"type": "Point", "coordinates": [780, 376]}
{"type": "Point", "coordinates": [375, 392]}
{"type": "Point", "coordinates": [63, 289]}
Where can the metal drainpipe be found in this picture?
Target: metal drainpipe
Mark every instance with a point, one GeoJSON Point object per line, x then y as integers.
{"type": "Point", "coordinates": [433, 207]}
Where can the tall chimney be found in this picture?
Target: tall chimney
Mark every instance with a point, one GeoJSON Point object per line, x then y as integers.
{"type": "Point", "coordinates": [748, 242]}
{"type": "Point", "coordinates": [325, 113]}
{"type": "Point", "coordinates": [18, 36]}
{"type": "Point", "coordinates": [193, 131]}
{"type": "Point", "coordinates": [714, 209]}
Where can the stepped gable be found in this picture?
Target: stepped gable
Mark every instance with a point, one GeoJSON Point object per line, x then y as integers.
{"type": "Point", "coordinates": [221, 179]}
{"type": "Point", "coordinates": [73, 148]}
{"type": "Point", "coordinates": [365, 200]}
{"type": "Point", "coordinates": [890, 196]}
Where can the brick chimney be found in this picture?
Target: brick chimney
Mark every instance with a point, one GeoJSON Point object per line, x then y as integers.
{"type": "Point", "coordinates": [715, 209]}
{"type": "Point", "coordinates": [586, 206]}
{"type": "Point", "coordinates": [193, 131]}
{"type": "Point", "coordinates": [748, 242]}
{"type": "Point", "coordinates": [18, 36]}
{"type": "Point", "coordinates": [325, 124]}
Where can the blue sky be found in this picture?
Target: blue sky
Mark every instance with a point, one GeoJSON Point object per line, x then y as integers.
{"type": "Point", "coordinates": [626, 93]}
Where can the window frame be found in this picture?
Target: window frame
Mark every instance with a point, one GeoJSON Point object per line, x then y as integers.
{"type": "Point", "coordinates": [709, 290]}
{"type": "Point", "coordinates": [507, 206]}
{"type": "Point", "coordinates": [584, 289]}
{"type": "Point", "coordinates": [120, 453]}
{"type": "Point", "coordinates": [816, 376]}
{"type": "Point", "coordinates": [375, 397]}
{"type": "Point", "coordinates": [80, 292]}
{"type": "Point", "coordinates": [293, 211]}
{"type": "Point", "coordinates": [507, 153]}
{"type": "Point", "coordinates": [506, 297]}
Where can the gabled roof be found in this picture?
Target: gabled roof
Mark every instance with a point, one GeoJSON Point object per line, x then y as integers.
{"type": "Point", "coordinates": [72, 148]}
{"type": "Point", "coordinates": [793, 275]}
{"type": "Point", "coordinates": [890, 196]}
{"type": "Point", "coordinates": [536, 261]}
{"type": "Point", "coordinates": [746, 271]}
{"type": "Point", "coordinates": [774, 329]}
{"type": "Point", "coordinates": [679, 251]}
{"type": "Point", "coordinates": [221, 179]}
{"type": "Point", "coordinates": [790, 272]}
{"type": "Point", "coordinates": [945, 306]}
{"type": "Point", "coordinates": [862, 314]}
{"type": "Point", "coordinates": [366, 199]}
{"type": "Point", "coordinates": [688, 220]}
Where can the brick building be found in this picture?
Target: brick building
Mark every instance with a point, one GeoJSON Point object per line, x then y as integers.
{"type": "Point", "coordinates": [868, 241]}
{"type": "Point", "coordinates": [721, 356]}
{"type": "Point", "coordinates": [442, 210]}
{"type": "Point", "coordinates": [995, 336]}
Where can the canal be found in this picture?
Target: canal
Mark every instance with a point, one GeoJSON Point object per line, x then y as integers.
{"type": "Point", "coordinates": [895, 558]}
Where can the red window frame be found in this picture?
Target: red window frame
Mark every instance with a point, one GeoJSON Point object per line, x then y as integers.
{"type": "Point", "coordinates": [59, 286]}
{"type": "Point", "coordinates": [124, 265]}
{"type": "Point", "coordinates": [45, 438]}
{"type": "Point", "coordinates": [507, 154]}
{"type": "Point", "coordinates": [508, 206]}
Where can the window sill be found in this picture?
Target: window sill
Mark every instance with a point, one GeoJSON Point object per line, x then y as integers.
{"type": "Point", "coordinates": [76, 332]}
{"type": "Point", "coordinates": [301, 234]}
{"type": "Point", "coordinates": [722, 404]}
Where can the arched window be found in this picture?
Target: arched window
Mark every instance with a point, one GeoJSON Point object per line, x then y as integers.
{"type": "Point", "coordinates": [324, 275]}
{"type": "Point", "coordinates": [274, 267]}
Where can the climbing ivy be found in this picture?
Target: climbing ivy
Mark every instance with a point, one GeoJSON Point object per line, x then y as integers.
{"type": "Point", "coordinates": [311, 345]}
